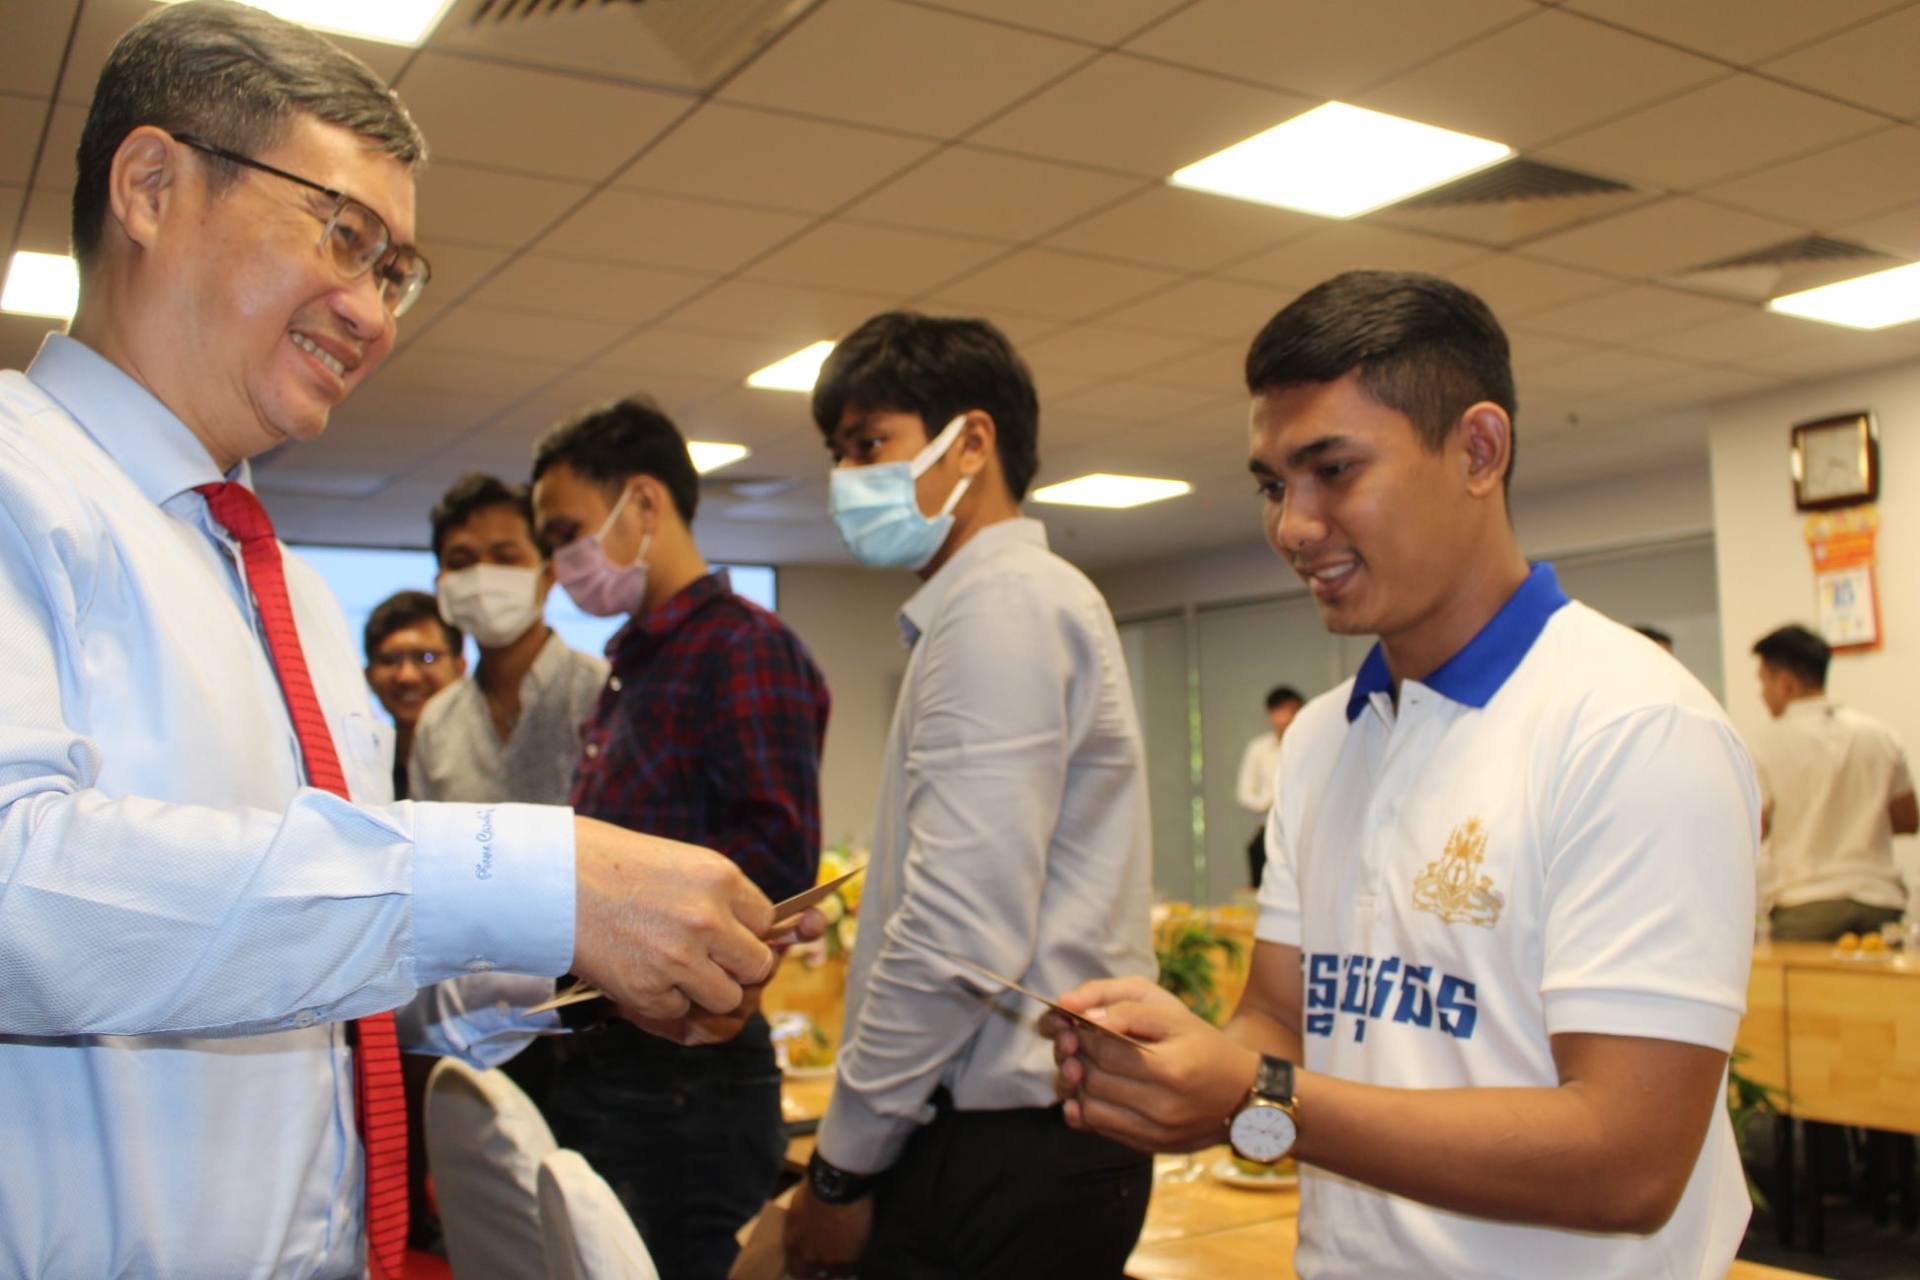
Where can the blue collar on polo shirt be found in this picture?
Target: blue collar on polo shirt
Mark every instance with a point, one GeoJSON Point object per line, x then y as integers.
{"type": "Point", "coordinates": [1473, 675]}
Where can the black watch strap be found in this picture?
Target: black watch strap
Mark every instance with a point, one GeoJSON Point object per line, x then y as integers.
{"type": "Point", "coordinates": [831, 1184]}
{"type": "Point", "coordinates": [1275, 1080]}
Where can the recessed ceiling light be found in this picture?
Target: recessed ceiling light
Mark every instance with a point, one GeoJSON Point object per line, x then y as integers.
{"type": "Point", "coordinates": [710, 456]}
{"type": "Point", "coordinates": [41, 284]}
{"type": "Point", "coordinates": [1878, 301]}
{"type": "Point", "coordinates": [406, 22]}
{"type": "Point", "coordinates": [1102, 490]}
{"type": "Point", "coordinates": [1340, 161]}
{"type": "Point", "coordinates": [797, 372]}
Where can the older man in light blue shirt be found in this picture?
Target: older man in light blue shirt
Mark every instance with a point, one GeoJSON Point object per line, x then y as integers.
{"type": "Point", "coordinates": [184, 923]}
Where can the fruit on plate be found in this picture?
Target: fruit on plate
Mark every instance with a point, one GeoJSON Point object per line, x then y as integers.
{"type": "Point", "coordinates": [1872, 942]}
{"type": "Point", "coordinates": [1254, 1169]}
{"type": "Point", "coordinates": [1848, 942]}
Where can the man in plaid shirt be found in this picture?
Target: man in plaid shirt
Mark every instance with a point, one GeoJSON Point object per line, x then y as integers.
{"type": "Point", "coordinates": [709, 730]}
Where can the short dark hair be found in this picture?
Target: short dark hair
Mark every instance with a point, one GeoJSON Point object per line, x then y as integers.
{"type": "Point", "coordinates": [610, 444]}
{"type": "Point", "coordinates": [404, 609]}
{"type": "Point", "coordinates": [1654, 634]}
{"type": "Point", "coordinates": [937, 367]}
{"type": "Point", "coordinates": [1425, 347]}
{"type": "Point", "coordinates": [1796, 649]}
{"type": "Point", "coordinates": [236, 77]}
{"type": "Point", "coordinates": [1280, 695]}
{"type": "Point", "coordinates": [475, 492]}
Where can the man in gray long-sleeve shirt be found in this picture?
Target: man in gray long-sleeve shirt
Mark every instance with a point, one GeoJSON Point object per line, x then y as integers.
{"type": "Point", "coordinates": [1012, 834]}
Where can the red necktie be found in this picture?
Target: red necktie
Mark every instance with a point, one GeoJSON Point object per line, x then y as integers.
{"type": "Point", "coordinates": [380, 1107]}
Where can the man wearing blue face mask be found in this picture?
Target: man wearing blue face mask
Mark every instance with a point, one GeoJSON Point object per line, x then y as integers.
{"type": "Point", "coordinates": [1012, 836]}
{"type": "Point", "coordinates": [712, 722]}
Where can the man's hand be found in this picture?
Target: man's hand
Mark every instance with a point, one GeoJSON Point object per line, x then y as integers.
{"type": "Point", "coordinates": [826, 1239]}
{"type": "Point", "coordinates": [664, 928]}
{"type": "Point", "coordinates": [1176, 1098]}
{"type": "Point", "coordinates": [699, 1026]}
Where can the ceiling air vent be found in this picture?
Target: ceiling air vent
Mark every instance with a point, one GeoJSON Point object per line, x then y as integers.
{"type": "Point", "coordinates": [1511, 203]}
{"type": "Point", "coordinates": [675, 44]}
{"type": "Point", "coordinates": [1805, 262]}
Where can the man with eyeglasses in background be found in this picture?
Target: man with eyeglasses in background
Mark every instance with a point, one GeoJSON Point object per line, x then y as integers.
{"type": "Point", "coordinates": [412, 654]}
{"type": "Point", "coordinates": [201, 881]}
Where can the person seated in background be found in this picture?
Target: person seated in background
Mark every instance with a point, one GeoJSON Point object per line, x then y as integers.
{"type": "Point", "coordinates": [1835, 790]}
{"type": "Point", "coordinates": [1504, 936]}
{"type": "Point", "coordinates": [711, 729]}
{"type": "Point", "coordinates": [1254, 791]}
{"type": "Point", "coordinates": [412, 654]}
{"type": "Point", "coordinates": [513, 731]}
{"type": "Point", "coordinates": [1012, 834]}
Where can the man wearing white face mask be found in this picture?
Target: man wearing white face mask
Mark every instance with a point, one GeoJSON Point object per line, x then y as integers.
{"type": "Point", "coordinates": [512, 732]}
{"type": "Point", "coordinates": [711, 727]}
{"type": "Point", "coordinates": [1012, 836]}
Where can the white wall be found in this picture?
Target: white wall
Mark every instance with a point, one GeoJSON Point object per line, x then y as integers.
{"type": "Point", "coordinates": [846, 616]}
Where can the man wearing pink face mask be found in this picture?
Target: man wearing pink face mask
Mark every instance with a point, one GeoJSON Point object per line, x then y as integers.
{"type": "Point", "coordinates": [709, 729]}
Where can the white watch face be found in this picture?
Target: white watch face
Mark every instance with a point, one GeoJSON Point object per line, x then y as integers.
{"type": "Point", "coordinates": [1262, 1133]}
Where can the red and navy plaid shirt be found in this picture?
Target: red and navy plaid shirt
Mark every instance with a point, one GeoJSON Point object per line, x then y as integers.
{"type": "Point", "coordinates": [709, 731]}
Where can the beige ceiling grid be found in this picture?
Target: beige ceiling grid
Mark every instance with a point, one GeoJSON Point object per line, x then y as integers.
{"type": "Point", "coordinates": [595, 233]}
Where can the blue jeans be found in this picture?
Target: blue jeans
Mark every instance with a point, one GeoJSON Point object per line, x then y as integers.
{"type": "Point", "coordinates": [691, 1140]}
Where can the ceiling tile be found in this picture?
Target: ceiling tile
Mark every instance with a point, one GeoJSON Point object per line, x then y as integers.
{"type": "Point", "coordinates": [1837, 184]}
{"type": "Point", "coordinates": [881, 260]}
{"type": "Point", "coordinates": [478, 330]}
{"type": "Point", "coordinates": [46, 223]}
{"type": "Point", "coordinates": [1704, 386]}
{"type": "Point", "coordinates": [456, 269]}
{"type": "Point", "coordinates": [898, 66]}
{"type": "Point", "coordinates": [1662, 238]}
{"type": "Point", "coordinates": [487, 209]}
{"type": "Point", "coordinates": [1133, 401]}
{"type": "Point", "coordinates": [58, 161]}
{"type": "Point", "coordinates": [1321, 50]}
{"type": "Point", "coordinates": [1895, 232]}
{"type": "Point", "coordinates": [36, 38]}
{"type": "Point", "coordinates": [1871, 64]}
{"type": "Point", "coordinates": [1347, 246]}
{"type": "Point", "coordinates": [986, 193]}
{"type": "Point", "coordinates": [1542, 78]}
{"type": "Point", "coordinates": [790, 316]}
{"type": "Point", "coordinates": [1185, 230]}
{"type": "Point", "coordinates": [20, 123]}
{"type": "Point", "coordinates": [102, 23]}
{"type": "Point", "coordinates": [1099, 21]}
{"type": "Point", "coordinates": [1219, 370]}
{"type": "Point", "coordinates": [664, 231]}
{"type": "Point", "coordinates": [11, 198]}
{"type": "Point", "coordinates": [1040, 282]}
{"type": "Point", "coordinates": [682, 352]}
{"type": "Point", "coordinates": [494, 376]}
{"type": "Point", "coordinates": [1828, 350]}
{"type": "Point", "coordinates": [1139, 117]}
{"type": "Point", "coordinates": [1635, 313]}
{"type": "Point", "coordinates": [1535, 353]}
{"type": "Point", "coordinates": [1708, 133]}
{"type": "Point", "coordinates": [1213, 309]}
{"type": "Point", "coordinates": [1746, 337]}
{"type": "Point", "coordinates": [588, 289]}
{"type": "Point", "coordinates": [534, 121]}
{"type": "Point", "coordinates": [1516, 287]}
{"type": "Point", "coordinates": [749, 156]}
{"type": "Point", "coordinates": [1746, 33]}
{"type": "Point", "coordinates": [1606, 372]}
{"type": "Point", "coordinates": [1108, 352]}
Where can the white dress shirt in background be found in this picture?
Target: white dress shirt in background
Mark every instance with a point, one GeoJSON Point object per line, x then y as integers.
{"type": "Point", "coordinates": [183, 924]}
{"type": "Point", "coordinates": [1257, 764]}
{"type": "Point", "coordinates": [1012, 831]}
{"type": "Point", "coordinates": [1828, 773]}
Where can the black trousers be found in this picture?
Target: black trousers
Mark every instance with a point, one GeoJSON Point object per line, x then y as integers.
{"type": "Point", "coordinates": [1007, 1195]}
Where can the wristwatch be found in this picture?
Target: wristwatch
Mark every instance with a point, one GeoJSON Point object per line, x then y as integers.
{"type": "Point", "coordinates": [1264, 1127]}
{"type": "Point", "coordinates": [833, 1185]}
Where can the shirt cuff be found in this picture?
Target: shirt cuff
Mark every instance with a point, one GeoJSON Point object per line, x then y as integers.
{"type": "Point", "coordinates": [493, 888]}
{"type": "Point", "coordinates": [855, 1137]}
{"type": "Point", "coordinates": [1278, 925]}
{"type": "Point", "coordinates": [1617, 1013]}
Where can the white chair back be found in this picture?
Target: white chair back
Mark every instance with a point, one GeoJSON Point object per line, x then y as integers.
{"type": "Point", "coordinates": [586, 1230]}
{"type": "Point", "coordinates": [485, 1142]}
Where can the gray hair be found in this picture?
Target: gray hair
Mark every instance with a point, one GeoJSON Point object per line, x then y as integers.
{"type": "Point", "coordinates": [236, 77]}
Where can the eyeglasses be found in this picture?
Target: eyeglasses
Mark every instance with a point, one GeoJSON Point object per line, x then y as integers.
{"type": "Point", "coordinates": [356, 237]}
{"type": "Point", "coordinates": [425, 659]}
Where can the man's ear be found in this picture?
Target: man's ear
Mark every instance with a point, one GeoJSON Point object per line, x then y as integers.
{"type": "Point", "coordinates": [142, 181]}
{"type": "Point", "coordinates": [977, 442]}
{"type": "Point", "coordinates": [1486, 433]}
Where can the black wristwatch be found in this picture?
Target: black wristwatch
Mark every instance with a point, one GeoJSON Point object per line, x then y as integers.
{"type": "Point", "coordinates": [833, 1185]}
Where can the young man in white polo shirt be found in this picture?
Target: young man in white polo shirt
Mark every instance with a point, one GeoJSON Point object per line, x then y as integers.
{"type": "Point", "coordinates": [1507, 918]}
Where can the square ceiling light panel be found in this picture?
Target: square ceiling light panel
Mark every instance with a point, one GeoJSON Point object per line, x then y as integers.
{"type": "Point", "coordinates": [797, 372]}
{"type": "Point", "coordinates": [1103, 490]}
{"type": "Point", "coordinates": [1878, 301]}
{"type": "Point", "coordinates": [1340, 161]}
{"type": "Point", "coordinates": [41, 284]}
{"type": "Point", "coordinates": [403, 22]}
{"type": "Point", "coordinates": [709, 455]}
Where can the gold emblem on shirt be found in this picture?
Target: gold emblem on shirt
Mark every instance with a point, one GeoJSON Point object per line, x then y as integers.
{"type": "Point", "coordinates": [1452, 887]}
